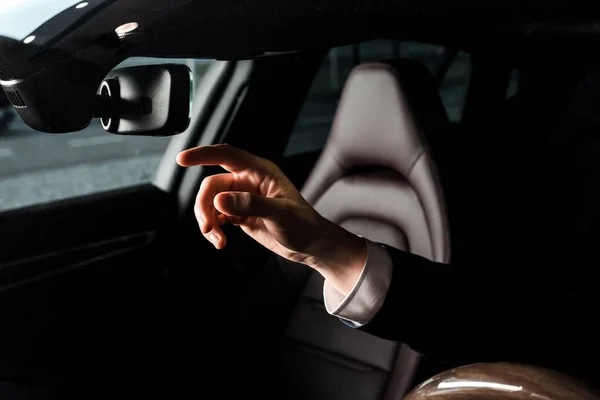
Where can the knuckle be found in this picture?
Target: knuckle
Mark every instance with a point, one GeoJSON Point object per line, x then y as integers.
{"type": "Point", "coordinates": [246, 200]}
{"type": "Point", "coordinates": [197, 211]}
{"type": "Point", "coordinates": [270, 165]}
{"type": "Point", "coordinates": [206, 183]}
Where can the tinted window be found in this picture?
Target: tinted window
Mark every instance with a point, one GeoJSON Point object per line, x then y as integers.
{"type": "Point", "coordinates": [314, 123]}
{"type": "Point", "coordinates": [38, 167]}
{"type": "Point", "coordinates": [513, 84]}
{"type": "Point", "coordinates": [454, 85]}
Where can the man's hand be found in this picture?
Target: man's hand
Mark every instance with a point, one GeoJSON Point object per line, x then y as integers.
{"type": "Point", "coordinates": [259, 198]}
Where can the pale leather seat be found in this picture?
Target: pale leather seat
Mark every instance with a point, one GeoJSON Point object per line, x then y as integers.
{"type": "Point", "coordinates": [375, 177]}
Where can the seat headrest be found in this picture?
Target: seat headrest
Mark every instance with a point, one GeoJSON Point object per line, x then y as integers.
{"type": "Point", "coordinates": [384, 110]}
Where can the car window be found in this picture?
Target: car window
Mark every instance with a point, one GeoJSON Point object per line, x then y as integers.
{"type": "Point", "coordinates": [314, 122]}
{"type": "Point", "coordinates": [36, 167]}
{"type": "Point", "coordinates": [454, 85]}
{"type": "Point", "coordinates": [513, 84]}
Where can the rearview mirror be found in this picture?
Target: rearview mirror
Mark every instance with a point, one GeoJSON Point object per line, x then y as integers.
{"type": "Point", "coordinates": [150, 100]}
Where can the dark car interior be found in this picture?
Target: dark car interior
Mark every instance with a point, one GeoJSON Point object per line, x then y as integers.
{"type": "Point", "coordinates": [474, 153]}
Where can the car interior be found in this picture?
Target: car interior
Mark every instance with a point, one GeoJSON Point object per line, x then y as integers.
{"type": "Point", "coordinates": [458, 151]}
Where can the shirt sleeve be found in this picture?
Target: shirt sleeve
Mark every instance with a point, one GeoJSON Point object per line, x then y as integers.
{"type": "Point", "coordinates": [369, 292]}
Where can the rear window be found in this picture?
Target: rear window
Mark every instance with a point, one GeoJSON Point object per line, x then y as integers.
{"type": "Point", "coordinates": [451, 68]}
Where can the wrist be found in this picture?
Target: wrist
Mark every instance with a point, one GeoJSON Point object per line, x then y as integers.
{"type": "Point", "coordinates": [339, 256]}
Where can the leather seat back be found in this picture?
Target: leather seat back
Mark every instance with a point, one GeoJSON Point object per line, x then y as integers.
{"type": "Point", "coordinates": [376, 178]}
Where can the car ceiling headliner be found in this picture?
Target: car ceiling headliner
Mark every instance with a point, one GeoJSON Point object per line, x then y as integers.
{"type": "Point", "coordinates": [76, 48]}
{"type": "Point", "coordinates": [241, 29]}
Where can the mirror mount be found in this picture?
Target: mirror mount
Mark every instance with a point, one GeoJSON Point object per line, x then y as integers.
{"type": "Point", "coordinates": [151, 100]}
{"type": "Point", "coordinates": [110, 108]}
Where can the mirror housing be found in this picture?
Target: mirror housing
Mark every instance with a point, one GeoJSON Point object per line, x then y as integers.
{"type": "Point", "coordinates": [149, 100]}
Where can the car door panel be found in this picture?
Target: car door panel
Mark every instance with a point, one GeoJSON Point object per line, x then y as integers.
{"type": "Point", "coordinates": [81, 279]}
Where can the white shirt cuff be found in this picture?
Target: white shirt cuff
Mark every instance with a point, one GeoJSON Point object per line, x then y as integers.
{"type": "Point", "coordinates": [369, 291]}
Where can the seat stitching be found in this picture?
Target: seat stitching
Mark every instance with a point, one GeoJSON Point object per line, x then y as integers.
{"type": "Point", "coordinates": [415, 161]}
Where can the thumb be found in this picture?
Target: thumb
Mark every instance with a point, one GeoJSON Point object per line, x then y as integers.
{"type": "Point", "coordinates": [244, 204]}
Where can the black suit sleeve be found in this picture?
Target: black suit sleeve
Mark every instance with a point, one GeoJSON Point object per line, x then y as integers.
{"type": "Point", "coordinates": [449, 315]}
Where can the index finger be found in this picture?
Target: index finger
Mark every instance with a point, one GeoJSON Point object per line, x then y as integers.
{"type": "Point", "coordinates": [230, 158]}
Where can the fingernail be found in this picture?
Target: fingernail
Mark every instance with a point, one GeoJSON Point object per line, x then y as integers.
{"type": "Point", "coordinates": [214, 239]}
